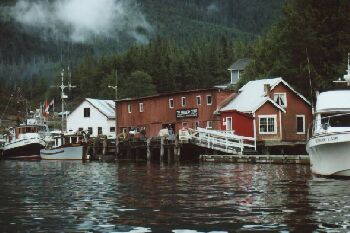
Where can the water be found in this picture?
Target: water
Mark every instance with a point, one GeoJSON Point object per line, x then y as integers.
{"type": "Point", "coordinates": [69, 196]}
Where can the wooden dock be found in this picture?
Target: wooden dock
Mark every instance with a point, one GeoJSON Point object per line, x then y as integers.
{"type": "Point", "coordinates": [274, 159]}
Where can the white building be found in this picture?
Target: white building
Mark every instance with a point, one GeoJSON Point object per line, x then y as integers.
{"type": "Point", "coordinates": [95, 116]}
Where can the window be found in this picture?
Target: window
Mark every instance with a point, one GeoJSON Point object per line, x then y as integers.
{"type": "Point", "coordinates": [209, 100]}
{"type": "Point", "coordinates": [112, 129]}
{"type": "Point", "coordinates": [129, 108]}
{"type": "Point", "coordinates": [90, 130]}
{"type": "Point", "coordinates": [196, 124]}
{"type": "Point", "coordinates": [99, 130]}
{"type": "Point", "coordinates": [228, 123]}
{"type": "Point", "coordinates": [209, 124]}
{"type": "Point", "coordinates": [86, 112]}
{"type": "Point", "coordinates": [125, 130]}
{"type": "Point", "coordinates": [267, 124]}
{"type": "Point", "coordinates": [300, 124]}
{"type": "Point", "coordinates": [280, 99]}
{"type": "Point", "coordinates": [183, 101]}
{"type": "Point", "coordinates": [171, 103]}
{"type": "Point", "coordinates": [198, 100]}
{"type": "Point", "coordinates": [141, 107]}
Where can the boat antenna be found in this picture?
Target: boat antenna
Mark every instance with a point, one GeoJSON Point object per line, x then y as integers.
{"type": "Point", "coordinates": [310, 81]}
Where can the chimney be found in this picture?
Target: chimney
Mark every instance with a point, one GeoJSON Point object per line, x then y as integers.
{"type": "Point", "coordinates": [267, 90]}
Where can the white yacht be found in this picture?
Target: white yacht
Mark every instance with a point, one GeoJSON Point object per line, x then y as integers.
{"type": "Point", "coordinates": [329, 141]}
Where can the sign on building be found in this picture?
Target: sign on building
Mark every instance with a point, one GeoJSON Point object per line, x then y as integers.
{"type": "Point", "coordinates": [186, 113]}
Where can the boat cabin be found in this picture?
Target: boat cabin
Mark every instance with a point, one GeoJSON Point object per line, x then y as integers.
{"type": "Point", "coordinates": [332, 112]}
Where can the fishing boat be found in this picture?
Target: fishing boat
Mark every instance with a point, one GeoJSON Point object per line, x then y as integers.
{"type": "Point", "coordinates": [24, 142]}
{"type": "Point", "coordinates": [329, 141]}
{"type": "Point", "coordinates": [69, 146]}
{"type": "Point", "coordinates": [64, 146]}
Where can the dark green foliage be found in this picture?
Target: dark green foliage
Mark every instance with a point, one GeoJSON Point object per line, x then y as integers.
{"type": "Point", "coordinates": [320, 27]}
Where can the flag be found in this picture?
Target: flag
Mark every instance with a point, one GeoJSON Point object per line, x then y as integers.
{"type": "Point", "coordinates": [51, 106]}
{"type": "Point", "coordinates": [46, 109]}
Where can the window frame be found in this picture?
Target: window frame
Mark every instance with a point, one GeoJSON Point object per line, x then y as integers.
{"type": "Point", "coordinates": [171, 103]}
{"type": "Point", "coordinates": [211, 99]}
{"type": "Point", "coordinates": [110, 129]}
{"type": "Point", "coordinates": [296, 125]}
{"type": "Point", "coordinates": [285, 98]}
{"type": "Point", "coordinates": [267, 123]}
{"type": "Point", "coordinates": [198, 100]}
{"type": "Point", "coordinates": [209, 124]}
{"type": "Point", "coordinates": [141, 107]}
{"type": "Point", "coordinates": [183, 101]}
{"type": "Point", "coordinates": [196, 124]}
{"type": "Point", "coordinates": [129, 108]}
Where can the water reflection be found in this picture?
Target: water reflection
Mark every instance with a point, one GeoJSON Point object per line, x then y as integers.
{"type": "Point", "coordinates": [100, 197]}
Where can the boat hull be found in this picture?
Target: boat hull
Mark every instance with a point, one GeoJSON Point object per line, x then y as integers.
{"type": "Point", "coordinates": [63, 153]}
{"type": "Point", "coordinates": [23, 149]}
{"type": "Point", "coordinates": [330, 154]}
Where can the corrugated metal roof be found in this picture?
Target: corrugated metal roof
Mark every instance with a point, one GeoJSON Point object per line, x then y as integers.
{"type": "Point", "coordinates": [240, 64]}
{"type": "Point", "coordinates": [106, 107]}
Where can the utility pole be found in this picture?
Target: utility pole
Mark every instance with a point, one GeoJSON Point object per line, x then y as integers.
{"type": "Point", "coordinates": [116, 114]}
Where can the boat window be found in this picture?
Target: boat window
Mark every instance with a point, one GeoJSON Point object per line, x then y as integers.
{"type": "Point", "coordinates": [336, 120]}
{"type": "Point", "coordinates": [74, 139]}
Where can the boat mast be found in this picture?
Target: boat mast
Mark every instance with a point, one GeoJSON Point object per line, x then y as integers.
{"type": "Point", "coordinates": [63, 96]}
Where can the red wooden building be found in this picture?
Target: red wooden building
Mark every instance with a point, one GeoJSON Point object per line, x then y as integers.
{"type": "Point", "coordinates": [194, 108]}
{"type": "Point", "coordinates": [270, 110]}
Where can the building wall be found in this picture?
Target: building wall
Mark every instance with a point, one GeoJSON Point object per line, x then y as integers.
{"type": "Point", "coordinates": [242, 124]}
{"type": "Point", "coordinates": [77, 120]}
{"type": "Point", "coordinates": [157, 112]}
{"type": "Point", "coordinates": [295, 106]}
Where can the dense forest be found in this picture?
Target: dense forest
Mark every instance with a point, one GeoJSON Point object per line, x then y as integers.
{"type": "Point", "coordinates": [191, 44]}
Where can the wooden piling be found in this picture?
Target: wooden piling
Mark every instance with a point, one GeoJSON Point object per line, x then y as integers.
{"type": "Point", "coordinates": [162, 140]}
{"type": "Point", "coordinates": [177, 150]}
{"type": "Point", "coordinates": [149, 155]}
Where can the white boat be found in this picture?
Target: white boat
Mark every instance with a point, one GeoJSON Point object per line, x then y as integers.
{"type": "Point", "coordinates": [24, 142]}
{"type": "Point", "coordinates": [329, 142]}
{"type": "Point", "coordinates": [64, 147]}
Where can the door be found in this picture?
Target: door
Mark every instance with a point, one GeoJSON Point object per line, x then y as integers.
{"type": "Point", "coordinates": [228, 123]}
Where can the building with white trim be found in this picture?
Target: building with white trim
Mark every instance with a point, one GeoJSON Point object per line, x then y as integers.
{"type": "Point", "coordinates": [95, 116]}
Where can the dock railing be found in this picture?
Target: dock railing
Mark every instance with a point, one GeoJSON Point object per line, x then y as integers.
{"type": "Point", "coordinates": [224, 141]}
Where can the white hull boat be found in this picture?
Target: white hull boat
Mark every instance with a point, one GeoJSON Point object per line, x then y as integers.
{"type": "Point", "coordinates": [329, 142]}
{"type": "Point", "coordinates": [330, 154]}
{"type": "Point", "coordinates": [63, 153]}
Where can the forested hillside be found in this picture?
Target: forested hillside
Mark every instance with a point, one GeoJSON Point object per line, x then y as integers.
{"type": "Point", "coordinates": [181, 44]}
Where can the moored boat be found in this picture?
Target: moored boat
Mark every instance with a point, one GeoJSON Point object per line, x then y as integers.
{"type": "Point", "coordinates": [329, 142]}
{"type": "Point", "coordinates": [24, 142]}
{"type": "Point", "coordinates": [64, 147]}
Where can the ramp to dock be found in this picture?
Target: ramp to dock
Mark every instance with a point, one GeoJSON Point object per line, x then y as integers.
{"type": "Point", "coordinates": [223, 141]}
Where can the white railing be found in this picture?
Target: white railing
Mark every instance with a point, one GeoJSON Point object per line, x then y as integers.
{"type": "Point", "coordinates": [224, 141]}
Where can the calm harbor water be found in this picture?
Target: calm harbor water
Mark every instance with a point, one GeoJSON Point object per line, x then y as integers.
{"type": "Point", "coordinates": [66, 196]}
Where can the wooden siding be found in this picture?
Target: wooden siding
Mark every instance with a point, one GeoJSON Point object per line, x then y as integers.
{"type": "Point", "coordinates": [158, 113]}
{"type": "Point", "coordinates": [242, 124]}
